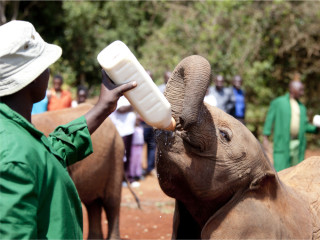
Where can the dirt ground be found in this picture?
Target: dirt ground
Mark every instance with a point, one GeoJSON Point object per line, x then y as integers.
{"type": "Point", "coordinates": [154, 220]}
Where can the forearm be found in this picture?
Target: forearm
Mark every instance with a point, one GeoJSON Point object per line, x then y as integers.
{"type": "Point", "coordinates": [109, 96]}
{"type": "Point", "coordinates": [96, 116]}
{"type": "Point", "coordinates": [72, 141]}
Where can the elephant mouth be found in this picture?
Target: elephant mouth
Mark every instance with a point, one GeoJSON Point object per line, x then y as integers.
{"type": "Point", "coordinates": [166, 140]}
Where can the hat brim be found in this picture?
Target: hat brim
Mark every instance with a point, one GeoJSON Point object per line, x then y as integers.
{"type": "Point", "coordinates": [19, 80]}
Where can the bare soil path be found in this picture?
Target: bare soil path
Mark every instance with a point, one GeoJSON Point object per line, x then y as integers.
{"type": "Point", "coordinates": [152, 221]}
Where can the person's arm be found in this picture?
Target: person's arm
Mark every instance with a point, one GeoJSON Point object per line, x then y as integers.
{"type": "Point", "coordinates": [310, 128]}
{"type": "Point", "coordinates": [125, 109]}
{"type": "Point", "coordinates": [72, 141]}
{"type": "Point", "coordinates": [124, 105]}
{"type": "Point", "coordinates": [107, 103]}
{"type": "Point", "coordinates": [268, 124]}
{"type": "Point", "coordinates": [230, 106]}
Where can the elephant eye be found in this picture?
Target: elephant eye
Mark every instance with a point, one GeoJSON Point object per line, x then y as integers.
{"type": "Point", "coordinates": [225, 135]}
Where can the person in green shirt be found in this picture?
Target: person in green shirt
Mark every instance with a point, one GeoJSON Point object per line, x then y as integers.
{"type": "Point", "coordinates": [287, 117]}
{"type": "Point", "coordinates": [38, 199]}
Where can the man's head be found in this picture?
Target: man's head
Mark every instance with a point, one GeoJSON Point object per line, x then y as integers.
{"type": "Point", "coordinates": [24, 56]}
{"type": "Point", "coordinates": [57, 83]}
{"type": "Point", "coordinates": [166, 76]}
{"type": "Point", "coordinates": [237, 82]}
{"type": "Point", "coordinates": [82, 94]}
{"type": "Point", "coordinates": [296, 89]}
{"type": "Point", "coordinates": [219, 82]}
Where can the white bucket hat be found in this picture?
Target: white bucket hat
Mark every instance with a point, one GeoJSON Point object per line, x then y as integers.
{"type": "Point", "coordinates": [24, 55]}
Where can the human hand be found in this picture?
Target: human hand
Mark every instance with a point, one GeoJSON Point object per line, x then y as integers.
{"type": "Point", "coordinates": [110, 93]}
{"type": "Point", "coordinates": [107, 103]}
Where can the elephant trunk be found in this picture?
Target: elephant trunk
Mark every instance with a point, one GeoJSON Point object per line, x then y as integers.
{"type": "Point", "coordinates": [186, 89]}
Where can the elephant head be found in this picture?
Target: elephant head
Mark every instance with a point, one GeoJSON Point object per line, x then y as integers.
{"type": "Point", "coordinates": [211, 159]}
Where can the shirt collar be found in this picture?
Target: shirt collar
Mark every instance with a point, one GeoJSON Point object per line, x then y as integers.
{"type": "Point", "coordinates": [8, 113]}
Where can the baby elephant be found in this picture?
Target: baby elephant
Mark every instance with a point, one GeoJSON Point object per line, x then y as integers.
{"type": "Point", "coordinates": [224, 185]}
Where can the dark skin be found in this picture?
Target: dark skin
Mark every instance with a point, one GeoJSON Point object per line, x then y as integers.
{"type": "Point", "coordinates": [219, 82]}
{"type": "Point", "coordinates": [57, 84]}
{"type": "Point", "coordinates": [237, 82]}
{"type": "Point", "coordinates": [82, 96]}
{"type": "Point", "coordinates": [296, 89]}
{"type": "Point", "coordinates": [23, 100]}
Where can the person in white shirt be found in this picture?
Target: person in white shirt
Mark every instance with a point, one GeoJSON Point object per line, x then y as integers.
{"type": "Point", "coordinates": [82, 94]}
{"type": "Point", "coordinates": [124, 118]}
{"type": "Point", "coordinates": [210, 98]}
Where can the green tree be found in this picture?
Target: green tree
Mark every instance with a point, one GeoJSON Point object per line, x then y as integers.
{"type": "Point", "coordinates": [91, 26]}
{"type": "Point", "coordinates": [266, 42]}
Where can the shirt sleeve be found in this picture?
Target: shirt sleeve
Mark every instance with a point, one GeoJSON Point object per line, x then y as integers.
{"type": "Point", "coordinates": [18, 202]}
{"type": "Point", "coordinates": [310, 128]}
{"type": "Point", "coordinates": [269, 120]}
{"type": "Point", "coordinates": [72, 142]}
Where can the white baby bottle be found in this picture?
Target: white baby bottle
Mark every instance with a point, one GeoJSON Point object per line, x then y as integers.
{"type": "Point", "coordinates": [122, 66]}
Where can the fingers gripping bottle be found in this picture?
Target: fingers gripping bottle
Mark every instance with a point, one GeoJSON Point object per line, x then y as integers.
{"type": "Point", "coordinates": [122, 67]}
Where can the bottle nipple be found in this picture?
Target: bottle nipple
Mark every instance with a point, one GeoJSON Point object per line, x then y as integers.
{"type": "Point", "coordinates": [172, 125]}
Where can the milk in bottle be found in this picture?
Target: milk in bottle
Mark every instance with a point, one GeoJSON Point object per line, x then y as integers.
{"type": "Point", "coordinates": [122, 67]}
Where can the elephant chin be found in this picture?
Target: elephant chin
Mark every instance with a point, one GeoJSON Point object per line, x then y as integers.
{"type": "Point", "coordinates": [169, 160]}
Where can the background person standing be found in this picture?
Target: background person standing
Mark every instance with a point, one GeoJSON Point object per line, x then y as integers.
{"type": "Point", "coordinates": [239, 109]}
{"type": "Point", "coordinates": [149, 139]}
{"type": "Point", "coordinates": [287, 117]}
{"type": "Point", "coordinates": [224, 96]}
{"type": "Point", "coordinates": [82, 94]}
{"type": "Point", "coordinates": [58, 98]}
{"type": "Point", "coordinates": [124, 118]}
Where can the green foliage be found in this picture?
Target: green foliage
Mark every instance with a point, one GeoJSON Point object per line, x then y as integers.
{"type": "Point", "coordinates": [91, 26]}
{"type": "Point", "coordinates": [267, 43]}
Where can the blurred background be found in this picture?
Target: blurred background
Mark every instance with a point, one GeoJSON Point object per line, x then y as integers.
{"type": "Point", "coordinates": [267, 43]}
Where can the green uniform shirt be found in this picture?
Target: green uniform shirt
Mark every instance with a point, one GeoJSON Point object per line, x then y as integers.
{"type": "Point", "coordinates": [38, 199]}
{"type": "Point", "coordinates": [279, 118]}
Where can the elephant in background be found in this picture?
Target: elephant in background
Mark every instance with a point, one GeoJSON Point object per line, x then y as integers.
{"type": "Point", "coordinates": [98, 178]}
{"type": "Point", "coordinates": [224, 185]}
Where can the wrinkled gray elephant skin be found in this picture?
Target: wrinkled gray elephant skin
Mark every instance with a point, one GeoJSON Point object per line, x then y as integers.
{"type": "Point", "coordinates": [98, 178]}
{"type": "Point", "coordinates": [224, 185]}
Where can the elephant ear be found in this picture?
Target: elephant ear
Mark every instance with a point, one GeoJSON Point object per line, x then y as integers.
{"type": "Point", "coordinates": [184, 225]}
{"type": "Point", "coordinates": [259, 181]}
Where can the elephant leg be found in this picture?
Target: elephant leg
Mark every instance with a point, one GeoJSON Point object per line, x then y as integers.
{"type": "Point", "coordinates": [112, 207]}
{"type": "Point", "coordinates": [94, 216]}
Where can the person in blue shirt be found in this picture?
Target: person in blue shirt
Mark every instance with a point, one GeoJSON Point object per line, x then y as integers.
{"type": "Point", "coordinates": [239, 98]}
{"type": "Point", "coordinates": [40, 107]}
